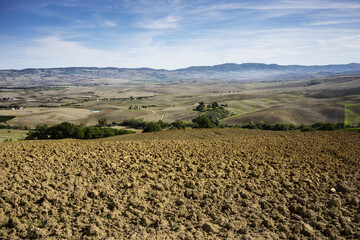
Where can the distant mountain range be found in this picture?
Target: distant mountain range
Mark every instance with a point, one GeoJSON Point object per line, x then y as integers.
{"type": "Point", "coordinates": [233, 67]}
{"type": "Point", "coordinates": [222, 72]}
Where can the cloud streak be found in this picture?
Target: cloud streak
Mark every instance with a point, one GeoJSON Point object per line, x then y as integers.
{"type": "Point", "coordinates": [168, 22]}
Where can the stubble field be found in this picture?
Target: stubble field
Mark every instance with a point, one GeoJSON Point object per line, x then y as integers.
{"type": "Point", "coordinates": [193, 184]}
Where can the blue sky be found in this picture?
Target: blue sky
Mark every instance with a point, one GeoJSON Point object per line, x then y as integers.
{"type": "Point", "coordinates": [173, 34]}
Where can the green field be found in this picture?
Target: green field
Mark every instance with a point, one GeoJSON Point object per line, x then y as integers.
{"type": "Point", "coordinates": [6, 118]}
{"type": "Point", "coordinates": [352, 114]}
{"type": "Point", "coordinates": [12, 134]}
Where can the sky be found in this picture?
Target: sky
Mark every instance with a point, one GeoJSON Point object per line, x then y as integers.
{"type": "Point", "coordinates": [172, 34]}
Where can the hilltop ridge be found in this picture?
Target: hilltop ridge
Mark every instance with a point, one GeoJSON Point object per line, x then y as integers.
{"type": "Point", "coordinates": [221, 72]}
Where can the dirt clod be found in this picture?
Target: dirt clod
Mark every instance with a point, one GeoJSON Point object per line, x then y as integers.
{"type": "Point", "coordinates": [183, 185]}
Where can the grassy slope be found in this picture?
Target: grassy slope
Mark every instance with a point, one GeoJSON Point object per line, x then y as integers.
{"type": "Point", "coordinates": [12, 134]}
{"type": "Point", "coordinates": [352, 114]}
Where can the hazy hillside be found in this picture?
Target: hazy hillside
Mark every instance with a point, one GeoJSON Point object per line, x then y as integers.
{"type": "Point", "coordinates": [228, 71]}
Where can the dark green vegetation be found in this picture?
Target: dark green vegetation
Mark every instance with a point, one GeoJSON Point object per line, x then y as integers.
{"type": "Point", "coordinates": [213, 111]}
{"type": "Point", "coordinates": [68, 130]}
{"type": "Point", "coordinates": [217, 114]}
{"type": "Point", "coordinates": [6, 118]}
{"type": "Point", "coordinates": [152, 127]}
{"type": "Point", "coordinates": [204, 121]}
{"type": "Point", "coordinates": [303, 128]}
{"type": "Point", "coordinates": [101, 130]}
{"type": "Point", "coordinates": [134, 123]}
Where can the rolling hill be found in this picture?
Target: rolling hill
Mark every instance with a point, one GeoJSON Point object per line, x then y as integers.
{"type": "Point", "coordinates": [223, 72]}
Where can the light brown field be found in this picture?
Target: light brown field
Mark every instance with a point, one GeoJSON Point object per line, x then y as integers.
{"type": "Point", "coordinates": [298, 102]}
{"type": "Point", "coordinates": [193, 184]}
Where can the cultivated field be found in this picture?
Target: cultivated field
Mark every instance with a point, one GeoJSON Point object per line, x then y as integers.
{"type": "Point", "coordinates": [193, 184]}
{"type": "Point", "coordinates": [330, 99]}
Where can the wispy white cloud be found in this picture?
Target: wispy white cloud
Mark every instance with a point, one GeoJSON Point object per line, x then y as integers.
{"type": "Point", "coordinates": [61, 52]}
{"type": "Point", "coordinates": [287, 4]}
{"type": "Point", "coordinates": [332, 22]}
{"type": "Point", "coordinates": [108, 23]}
{"type": "Point", "coordinates": [168, 22]}
{"type": "Point", "coordinates": [283, 46]}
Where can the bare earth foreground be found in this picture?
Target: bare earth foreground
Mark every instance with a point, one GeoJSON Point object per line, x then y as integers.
{"type": "Point", "coordinates": [194, 184]}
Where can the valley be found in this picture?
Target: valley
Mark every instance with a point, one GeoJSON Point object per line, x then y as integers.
{"type": "Point", "coordinates": [326, 99]}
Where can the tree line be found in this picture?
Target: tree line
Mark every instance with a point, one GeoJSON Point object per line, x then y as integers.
{"type": "Point", "coordinates": [205, 121]}
{"type": "Point", "coordinates": [69, 130]}
{"type": "Point", "coordinates": [103, 128]}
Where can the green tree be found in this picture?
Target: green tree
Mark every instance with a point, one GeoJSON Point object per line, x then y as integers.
{"type": "Point", "coordinates": [179, 124]}
{"type": "Point", "coordinates": [135, 123]}
{"type": "Point", "coordinates": [200, 107]}
{"type": "Point", "coordinates": [102, 122]}
{"type": "Point", "coordinates": [152, 127]}
{"type": "Point", "coordinates": [214, 105]}
{"type": "Point", "coordinates": [40, 132]}
{"type": "Point", "coordinates": [90, 132]}
{"type": "Point", "coordinates": [79, 132]}
{"type": "Point", "coordinates": [203, 122]}
{"type": "Point", "coordinates": [163, 124]}
{"type": "Point", "coordinates": [62, 130]}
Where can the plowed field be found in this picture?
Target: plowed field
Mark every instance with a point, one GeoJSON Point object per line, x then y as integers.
{"type": "Point", "coordinates": [194, 184]}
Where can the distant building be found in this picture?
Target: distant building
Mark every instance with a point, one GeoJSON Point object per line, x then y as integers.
{"type": "Point", "coordinates": [134, 107]}
{"type": "Point", "coordinates": [53, 99]}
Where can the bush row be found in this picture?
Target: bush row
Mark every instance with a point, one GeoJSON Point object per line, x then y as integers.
{"type": "Point", "coordinates": [139, 123]}
{"type": "Point", "coordinates": [291, 127]}
{"type": "Point", "coordinates": [205, 121]}
{"type": "Point", "coordinates": [69, 130]}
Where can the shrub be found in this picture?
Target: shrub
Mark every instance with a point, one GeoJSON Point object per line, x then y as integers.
{"type": "Point", "coordinates": [152, 127]}
{"type": "Point", "coordinates": [102, 122]}
{"type": "Point", "coordinates": [135, 123]}
{"type": "Point", "coordinates": [163, 124]}
{"type": "Point", "coordinates": [203, 122]}
{"type": "Point", "coordinates": [250, 125]}
{"type": "Point", "coordinates": [68, 130]}
{"type": "Point", "coordinates": [200, 107]}
{"type": "Point", "coordinates": [324, 126]}
{"type": "Point", "coordinates": [305, 128]}
{"type": "Point", "coordinates": [179, 124]}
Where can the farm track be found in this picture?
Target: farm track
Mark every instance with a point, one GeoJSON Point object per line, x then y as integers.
{"type": "Point", "coordinates": [193, 184]}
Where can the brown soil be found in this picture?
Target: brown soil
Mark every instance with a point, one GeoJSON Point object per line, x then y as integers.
{"type": "Point", "coordinates": [196, 184]}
